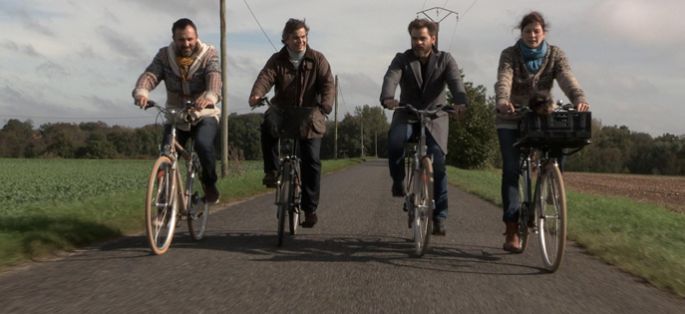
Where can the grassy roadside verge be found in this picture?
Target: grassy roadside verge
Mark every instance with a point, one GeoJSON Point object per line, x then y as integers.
{"type": "Point", "coordinates": [641, 238]}
{"type": "Point", "coordinates": [43, 228]}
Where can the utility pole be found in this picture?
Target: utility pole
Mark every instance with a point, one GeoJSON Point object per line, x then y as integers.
{"type": "Point", "coordinates": [375, 134]}
{"type": "Point", "coordinates": [224, 92]}
{"type": "Point", "coordinates": [437, 15]}
{"type": "Point", "coordinates": [361, 119]}
{"type": "Point", "coordinates": [335, 134]}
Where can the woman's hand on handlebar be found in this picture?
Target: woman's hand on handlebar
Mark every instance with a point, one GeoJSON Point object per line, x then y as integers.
{"type": "Point", "coordinates": [583, 107]}
{"type": "Point", "coordinates": [506, 108]}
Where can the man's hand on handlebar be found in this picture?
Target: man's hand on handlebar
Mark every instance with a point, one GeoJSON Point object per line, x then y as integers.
{"type": "Point", "coordinates": [202, 102]}
{"type": "Point", "coordinates": [391, 103]}
{"type": "Point", "coordinates": [254, 101]}
{"type": "Point", "coordinates": [141, 101]}
{"type": "Point", "coordinates": [457, 111]}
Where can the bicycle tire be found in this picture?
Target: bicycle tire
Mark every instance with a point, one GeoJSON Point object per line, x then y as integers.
{"type": "Point", "coordinates": [293, 210]}
{"type": "Point", "coordinates": [197, 210]}
{"type": "Point", "coordinates": [282, 202]}
{"type": "Point", "coordinates": [422, 225]}
{"type": "Point", "coordinates": [551, 213]}
{"type": "Point", "coordinates": [524, 213]}
{"type": "Point", "coordinates": [161, 206]}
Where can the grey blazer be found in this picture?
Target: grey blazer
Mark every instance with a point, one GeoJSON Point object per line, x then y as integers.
{"type": "Point", "coordinates": [441, 70]}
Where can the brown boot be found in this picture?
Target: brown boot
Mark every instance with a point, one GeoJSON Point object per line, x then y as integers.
{"type": "Point", "coordinates": [512, 241]}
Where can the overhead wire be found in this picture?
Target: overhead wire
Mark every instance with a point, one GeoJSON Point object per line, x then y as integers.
{"type": "Point", "coordinates": [260, 25]}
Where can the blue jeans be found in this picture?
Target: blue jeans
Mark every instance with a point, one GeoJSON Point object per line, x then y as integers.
{"type": "Point", "coordinates": [511, 158]}
{"type": "Point", "coordinates": [398, 135]}
{"type": "Point", "coordinates": [203, 134]}
{"type": "Point", "coordinates": [510, 173]}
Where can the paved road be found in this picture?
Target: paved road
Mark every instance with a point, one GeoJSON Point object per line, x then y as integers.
{"type": "Point", "coordinates": [355, 260]}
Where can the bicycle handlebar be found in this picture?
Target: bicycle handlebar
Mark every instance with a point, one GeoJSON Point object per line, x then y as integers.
{"type": "Point", "coordinates": [428, 111]}
{"type": "Point", "coordinates": [187, 105]}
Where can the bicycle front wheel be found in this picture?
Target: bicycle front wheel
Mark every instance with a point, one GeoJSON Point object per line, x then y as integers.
{"type": "Point", "coordinates": [294, 209]}
{"type": "Point", "coordinates": [423, 211]}
{"type": "Point", "coordinates": [198, 210]}
{"type": "Point", "coordinates": [283, 198]}
{"type": "Point", "coordinates": [161, 206]}
{"type": "Point", "coordinates": [551, 216]}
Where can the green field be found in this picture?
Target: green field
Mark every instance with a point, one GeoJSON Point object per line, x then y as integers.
{"type": "Point", "coordinates": [641, 238]}
{"type": "Point", "coordinates": [52, 204]}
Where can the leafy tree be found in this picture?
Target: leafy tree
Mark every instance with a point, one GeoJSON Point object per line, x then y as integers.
{"type": "Point", "coordinates": [472, 140]}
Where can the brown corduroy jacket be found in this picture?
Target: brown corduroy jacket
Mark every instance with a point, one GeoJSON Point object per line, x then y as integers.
{"type": "Point", "coordinates": [309, 86]}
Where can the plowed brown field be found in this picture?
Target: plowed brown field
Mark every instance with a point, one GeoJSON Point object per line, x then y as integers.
{"type": "Point", "coordinates": [666, 191]}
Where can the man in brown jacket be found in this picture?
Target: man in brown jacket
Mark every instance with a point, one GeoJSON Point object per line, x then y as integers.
{"type": "Point", "coordinates": [302, 78]}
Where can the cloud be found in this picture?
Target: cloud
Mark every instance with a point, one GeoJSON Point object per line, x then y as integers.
{"type": "Point", "coordinates": [641, 22]}
{"type": "Point", "coordinates": [52, 70]}
{"type": "Point", "coordinates": [120, 43]}
{"type": "Point", "coordinates": [27, 49]}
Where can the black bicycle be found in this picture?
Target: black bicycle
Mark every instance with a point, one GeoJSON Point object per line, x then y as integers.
{"type": "Point", "coordinates": [543, 211]}
{"type": "Point", "coordinates": [289, 180]}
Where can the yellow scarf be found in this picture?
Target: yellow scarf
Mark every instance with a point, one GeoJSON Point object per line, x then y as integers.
{"type": "Point", "coordinates": [184, 64]}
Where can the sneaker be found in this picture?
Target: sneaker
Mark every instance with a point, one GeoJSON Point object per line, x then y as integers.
{"type": "Point", "coordinates": [211, 194]}
{"type": "Point", "coordinates": [398, 189]}
{"type": "Point", "coordinates": [270, 179]}
{"type": "Point", "coordinates": [439, 227]}
{"type": "Point", "coordinates": [310, 219]}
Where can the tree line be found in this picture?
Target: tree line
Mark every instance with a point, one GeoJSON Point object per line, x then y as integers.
{"type": "Point", "coordinates": [472, 140]}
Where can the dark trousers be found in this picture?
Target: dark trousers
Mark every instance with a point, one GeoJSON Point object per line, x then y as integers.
{"type": "Point", "coordinates": [398, 135]}
{"type": "Point", "coordinates": [204, 135]}
{"type": "Point", "coordinates": [310, 165]}
{"type": "Point", "coordinates": [511, 162]}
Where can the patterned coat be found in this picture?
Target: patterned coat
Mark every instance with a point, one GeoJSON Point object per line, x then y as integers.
{"type": "Point", "coordinates": [203, 78]}
{"type": "Point", "coordinates": [516, 84]}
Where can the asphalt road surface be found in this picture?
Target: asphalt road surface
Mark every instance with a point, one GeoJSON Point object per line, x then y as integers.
{"type": "Point", "coordinates": [356, 259]}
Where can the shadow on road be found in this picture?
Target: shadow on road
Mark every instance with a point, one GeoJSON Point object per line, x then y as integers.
{"type": "Point", "coordinates": [260, 246]}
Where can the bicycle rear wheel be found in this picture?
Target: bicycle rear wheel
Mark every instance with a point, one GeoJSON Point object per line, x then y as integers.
{"type": "Point", "coordinates": [551, 216]}
{"type": "Point", "coordinates": [422, 224]}
{"type": "Point", "coordinates": [198, 210]}
{"type": "Point", "coordinates": [161, 206]}
{"type": "Point", "coordinates": [283, 197]}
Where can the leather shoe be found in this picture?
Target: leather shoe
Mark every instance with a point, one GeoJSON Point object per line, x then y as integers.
{"type": "Point", "coordinates": [270, 179]}
{"type": "Point", "coordinates": [310, 219]}
{"type": "Point", "coordinates": [398, 189]}
{"type": "Point", "coordinates": [439, 227]}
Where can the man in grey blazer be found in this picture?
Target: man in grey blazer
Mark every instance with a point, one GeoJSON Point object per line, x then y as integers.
{"type": "Point", "coordinates": [422, 73]}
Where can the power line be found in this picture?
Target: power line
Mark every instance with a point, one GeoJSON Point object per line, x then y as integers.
{"type": "Point", "coordinates": [469, 8]}
{"type": "Point", "coordinates": [260, 25]}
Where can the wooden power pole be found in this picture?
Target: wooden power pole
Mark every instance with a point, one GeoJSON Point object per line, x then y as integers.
{"type": "Point", "coordinates": [224, 92]}
{"type": "Point", "coordinates": [335, 116]}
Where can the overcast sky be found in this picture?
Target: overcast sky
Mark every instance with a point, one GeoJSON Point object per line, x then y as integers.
{"type": "Point", "coordinates": [77, 60]}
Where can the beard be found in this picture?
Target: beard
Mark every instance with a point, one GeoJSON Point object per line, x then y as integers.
{"type": "Point", "coordinates": [422, 52]}
{"type": "Point", "coordinates": [187, 52]}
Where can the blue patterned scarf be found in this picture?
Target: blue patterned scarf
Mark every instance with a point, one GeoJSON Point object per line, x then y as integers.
{"type": "Point", "coordinates": [533, 57]}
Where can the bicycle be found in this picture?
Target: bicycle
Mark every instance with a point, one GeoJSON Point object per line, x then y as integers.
{"type": "Point", "coordinates": [418, 201]}
{"type": "Point", "coordinates": [169, 198]}
{"type": "Point", "coordinates": [544, 209]}
{"type": "Point", "coordinates": [288, 183]}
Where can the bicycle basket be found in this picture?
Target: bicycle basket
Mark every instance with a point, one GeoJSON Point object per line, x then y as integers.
{"type": "Point", "coordinates": [566, 129]}
{"type": "Point", "coordinates": [292, 121]}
